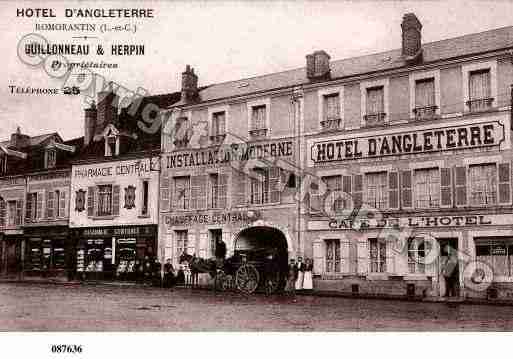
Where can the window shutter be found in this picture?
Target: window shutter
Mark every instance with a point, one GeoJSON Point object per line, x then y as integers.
{"type": "Point", "coordinates": [91, 201]}
{"type": "Point", "coordinates": [2, 213]}
{"type": "Point", "coordinates": [240, 188]}
{"type": "Point", "coordinates": [445, 187]}
{"type": "Point", "coordinates": [222, 188]}
{"type": "Point", "coordinates": [274, 184]}
{"type": "Point", "coordinates": [358, 190]}
{"type": "Point", "coordinates": [164, 192]}
{"type": "Point", "coordinates": [202, 191]}
{"type": "Point", "coordinates": [315, 195]}
{"type": "Point", "coordinates": [504, 183]}
{"type": "Point", "coordinates": [346, 188]}
{"type": "Point", "coordinates": [363, 256]}
{"type": "Point", "coordinates": [406, 192]}
{"type": "Point", "coordinates": [318, 258]}
{"type": "Point", "coordinates": [50, 195]}
{"type": "Point", "coordinates": [115, 200]}
{"type": "Point", "coordinates": [28, 209]}
{"type": "Point", "coordinates": [461, 186]}
{"type": "Point", "coordinates": [19, 212]}
{"type": "Point", "coordinates": [63, 212]}
{"type": "Point", "coordinates": [39, 205]}
{"type": "Point", "coordinates": [393, 190]}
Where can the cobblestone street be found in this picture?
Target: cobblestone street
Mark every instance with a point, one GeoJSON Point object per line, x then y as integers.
{"type": "Point", "coordinates": [41, 307]}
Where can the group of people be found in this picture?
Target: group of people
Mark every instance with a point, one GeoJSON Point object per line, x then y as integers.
{"type": "Point", "coordinates": [299, 276]}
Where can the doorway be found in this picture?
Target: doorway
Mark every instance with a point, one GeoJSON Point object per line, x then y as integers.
{"type": "Point", "coordinates": [448, 268]}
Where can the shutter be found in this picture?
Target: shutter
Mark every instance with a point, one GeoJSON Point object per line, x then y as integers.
{"type": "Point", "coordinates": [63, 205]}
{"type": "Point", "coordinates": [240, 188]}
{"type": "Point", "coordinates": [39, 205]}
{"type": "Point", "coordinates": [274, 184]}
{"type": "Point", "coordinates": [393, 190]}
{"type": "Point", "coordinates": [318, 257]}
{"type": "Point", "coordinates": [445, 187]}
{"type": "Point", "coordinates": [315, 193]}
{"type": "Point", "coordinates": [504, 183]}
{"type": "Point", "coordinates": [363, 256]}
{"type": "Point", "coordinates": [19, 212]}
{"type": "Point", "coordinates": [345, 261]}
{"type": "Point", "coordinates": [115, 200]}
{"type": "Point", "coordinates": [406, 192]}
{"type": "Point", "coordinates": [191, 243]}
{"type": "Point", "coordinates": [2, 213]}
{"type": "Point", "coordinates": [91, 201]}
{"type": "Point", "coordinates": [358, 190]}
{"type": "Point", "coordinates": [28, 209]}
{"type": "Point", "coordinates": [50, 195]}
{"type": "Point", "coordinates": [461, 186]}
{"type": "Point", "coordinates": [164, 192]}
{"type": "Point", "coordinates": [221, 190]}
{"type": "Point", "coordinates": [346, 188]}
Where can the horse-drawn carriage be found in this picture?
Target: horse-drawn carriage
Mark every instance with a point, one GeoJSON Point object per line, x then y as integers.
{"type": "Point", "coordinates": [245, 270]}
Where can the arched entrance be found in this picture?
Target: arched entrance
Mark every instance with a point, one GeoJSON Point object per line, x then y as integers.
{"type": "Point", "coordinates": [258, 242]}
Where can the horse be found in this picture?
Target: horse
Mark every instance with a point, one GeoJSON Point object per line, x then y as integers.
{"type": "Point", "coordinates": [198, 265]}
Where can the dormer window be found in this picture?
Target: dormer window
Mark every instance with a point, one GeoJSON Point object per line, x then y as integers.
{"type": "Point", "coordinates": [111, 146]}
{"type": "Point", "coordinates": [50, 158]}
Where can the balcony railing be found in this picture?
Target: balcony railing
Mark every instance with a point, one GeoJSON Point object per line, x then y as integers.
{"type": "Point", "coordinates": [217, 139]}
{"type": "Point", "coordinates": [425, 113]}
{"type": "Point", "coordinates": [374, 119]}
{"type": "Point", "coordinates": [331, 124]}
{"type": "Point", "coordinates": [482, 104]}
{"type": "Point", "coordinates": [258, 133]}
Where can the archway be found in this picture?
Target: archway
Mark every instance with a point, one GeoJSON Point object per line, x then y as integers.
{"type": "Point", "coordinates": [258, 242]}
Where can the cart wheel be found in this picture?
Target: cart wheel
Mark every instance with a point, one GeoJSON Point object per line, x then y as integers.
{"type": "Point", "coordinates": [246, 278]}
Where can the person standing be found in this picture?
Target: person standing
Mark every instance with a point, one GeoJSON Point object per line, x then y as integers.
{"type": "Point", "coordinates": [300, 273]}
{"type": "Point", "coordinates": [169, 275]}
{"type": "Point", "coordinates": [308, 281]}
{"type": "Point", "coordinates": [290, 287]}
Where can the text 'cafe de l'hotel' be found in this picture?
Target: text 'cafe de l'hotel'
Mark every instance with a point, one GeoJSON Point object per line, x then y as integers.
{"type": "Point", "coordinates": [417, 139]}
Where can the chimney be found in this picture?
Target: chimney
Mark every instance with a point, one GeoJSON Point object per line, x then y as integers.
{"type": "Point", "coordinates": [19, 140]}
{"type": "Point", "coordinates": [90, 117]}
{"type": "Point", "coordinates": [107, 112]}
{"type": "Point", "coordinates": [411, 34]}
{"type": "Point", "coordinates": [317, 65]}
{"type": "Point", "coordinates": [189, 85]}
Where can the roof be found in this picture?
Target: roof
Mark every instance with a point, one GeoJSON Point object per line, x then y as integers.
{"type": "Point", "coordinates": [466, 45]}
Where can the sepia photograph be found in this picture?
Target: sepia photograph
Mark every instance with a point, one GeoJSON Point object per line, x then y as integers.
{"type": "Point", "coordinates": [239, 167]}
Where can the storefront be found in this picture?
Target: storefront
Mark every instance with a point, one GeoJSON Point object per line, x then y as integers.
{"type": "Point", "coordinates": [114, 253]}
{"type": "Point", "coordinates": [48, 252]}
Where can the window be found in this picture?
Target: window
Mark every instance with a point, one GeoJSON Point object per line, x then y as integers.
{"type": "Point", "coordinates": [60, 203]}
{"type": "Point", "coordinates": [416, 255]}
{"type": "Point", "coordinates": [182, 192]}
{"type": "Point", "coordinates": [214, 236]}
{"type": "Point", "coordinates": [425, 102]}
{"type": "Point", "coordinates": [182, 132]}
{"type": "Point", "coordinates": [375, 106]}
{"type": "Point", "coordinates": [479, 90]}
{"type": "Point", "coordinates": [218, 124]}
{"type": "Point", "coordinates": [260, 186]}
{"type": "Point", "coordinates": [3, 163]}
{"type": "Point", "coordinates": [217, 198]}
{"type": "Point", "coordinates": [31, 207]}
{"type": "Point", "coordinates": [145, 197]}
{"type": "Point", "coordinates": [376, 194]}
{"type": "Point", "coordinates": [427, 188]}
{"type": "Point", "coordinates": [11, 213]}
{"type": "Point", "coordinates": [498, 254]}
{"type": "Point", "coordinates": [258, 126]}
{"type": "Point", "coordinates": [50, 158]}
{"type": "Point", "coordinates": [483, 184]}
{"type": "Point", "coordinates": [334, 183]}
{"type": "Point", "coordinates": [332, 107]}
{"type": "Point", "coordinates": [182, 243]}
{"type": "Point", "coordinates": [377, 255]}
{"type": "Point", "coordinates": [111, 146]}
{"type": "Point", "coordinates": [332, 255]}
{"type": "Point", "coordinates": [105, 200]}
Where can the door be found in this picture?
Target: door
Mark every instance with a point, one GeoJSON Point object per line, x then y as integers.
{"type": "Point", "coordinates": [448, 268]}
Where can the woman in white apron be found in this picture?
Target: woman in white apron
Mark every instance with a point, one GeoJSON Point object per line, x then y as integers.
{"type": "Point", "coordinates": [300, 273]}
{"type": "Point", "coordinates": [308, 282]}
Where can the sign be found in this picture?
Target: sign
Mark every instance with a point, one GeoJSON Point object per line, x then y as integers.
{"type": "Point", "coordinates": [118, 231]}
{"type": "Point", "coordinates": [137, 168]}
{"type": "Point", "coordinates": [226, 154]}
{"type": "Point", "coordinates": [211, 218]}
{"type": "Point", "coordinates": [412, 222]}
{"type": "Point", "coordinates": [451, 138]}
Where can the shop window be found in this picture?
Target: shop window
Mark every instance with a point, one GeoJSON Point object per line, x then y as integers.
{"type": "Point", "coordinates": [181, 244]}
{"type": "Point", "coordinates": [416, 255]}
{"type": "Point", "coordinates": [483, 184]}
{"type": "Point", "coordinates": [50, 158]}
{"type": "Point", "coordinates": [498, 255]}
{"type": "Point", "coordinates": [45, 254]}
{"type": "Point", "coordinates": [332, 255]}
{"type": "Point", "coordinates": [98, 256]}
{"type": "Point", "coordinates": [182, 192]}
{"type": "Point", "coordinates": [377, 255]}
{"type": "Point", "coordinates": [125, 258]}
{"type": "Point", "coordinates": [145, 197]}
{"type": "Point", "coordinates": [427, 188]}
{"type": "Point", "coordinates": [376, 194]}
{"type": "Point", "coordinates": [105, 200]}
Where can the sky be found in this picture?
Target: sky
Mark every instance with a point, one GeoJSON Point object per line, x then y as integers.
{"type": "Point", "coordinates": [223, 41]}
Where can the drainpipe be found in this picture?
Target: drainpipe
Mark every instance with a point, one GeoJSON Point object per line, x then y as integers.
{"type": "Point", "coordinates": [297, 95]}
